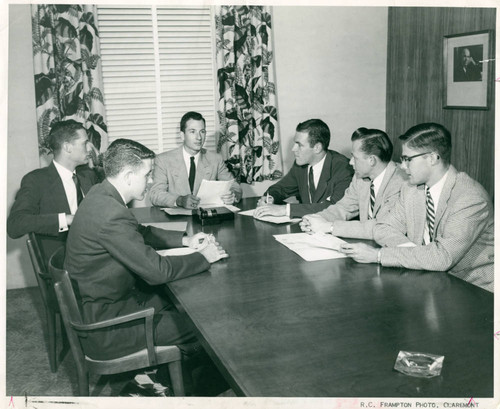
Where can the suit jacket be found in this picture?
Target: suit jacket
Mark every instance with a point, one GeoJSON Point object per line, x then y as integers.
{"type": "Point", "coordinates": [107, 251]}
{"type": "Point", "coordinates": [39, 201]}
{"type": "Point", "coordinates": [356, 202]}
{"type": "Point", "coordinates": [334, 180]}
{"type": "Point", "coordinates": [170, 176]}
{"type": "Point", "coordinates": [463, 231]}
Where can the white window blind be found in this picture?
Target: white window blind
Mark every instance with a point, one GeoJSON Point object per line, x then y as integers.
{"type": "Point", "coordinates": [158, 63]}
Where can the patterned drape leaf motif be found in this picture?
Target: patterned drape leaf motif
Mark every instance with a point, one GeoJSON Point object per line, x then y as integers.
{"type": "Point", "coordinates": [68, 78]}
{"type": "Point", "coordinates": [247, 112]}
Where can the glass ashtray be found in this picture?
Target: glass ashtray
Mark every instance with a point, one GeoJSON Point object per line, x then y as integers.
{"type": "Point", "coordinates": [419, 364]}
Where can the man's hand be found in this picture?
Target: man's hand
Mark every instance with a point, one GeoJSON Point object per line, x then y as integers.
{"type": "Point", "coordinates": [265, 200]}
{"type": "Point", "coordinates": [213, 252]}
{"type": "Point", "coordinates": [270, 210]}
{"type": "Point", "coordinates": [188, 201]}
{"type": "Point", "coordinates": [69, 219]}
{"type": "Point", "coordinates": [228, 198]}
{"type": "Point", "coordinates": [198, 241]}
{"type": "Point", "coordinates": [312, 223]}
{"type": "Point", "coordinates": [360, 252]}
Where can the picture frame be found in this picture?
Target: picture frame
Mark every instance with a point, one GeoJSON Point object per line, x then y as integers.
{"type": "Point", "coordinates": [468, 68]}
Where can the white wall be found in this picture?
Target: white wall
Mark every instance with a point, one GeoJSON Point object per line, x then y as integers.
{"type": "Point", "coordinates": [330, 64]}
{"type": "Point", "coordinates": [22, 142]}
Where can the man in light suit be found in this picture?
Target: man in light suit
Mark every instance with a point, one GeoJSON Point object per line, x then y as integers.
{"type": "Point", "coordinates": [443, 220]}
{"type": "Point", "coordinates": [48, 198]}
{"type": "Point", "coordinates": [178, 173]}
{"type": "Point", "coordinates": [114, 263]}
{"type": "Point", "coordinates": [318, 178]}
{"type": "Point", "coordinates": [372, 193]}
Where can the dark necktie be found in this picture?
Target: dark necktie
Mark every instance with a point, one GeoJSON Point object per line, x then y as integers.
{"type": "Point", "coordinates": [79, 194]}
{"type": "Point", "coordinates": [312, 189]}
{"type": "Point", "coordinates": [430, 211]}
{"type": "Point", "coordinates": [192, 174]}
{"type": "Point", "coordinates": [372, 200]}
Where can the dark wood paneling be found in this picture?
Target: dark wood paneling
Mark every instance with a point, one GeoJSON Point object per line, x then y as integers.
{"type": "Point", "coordinates": [415, 84]}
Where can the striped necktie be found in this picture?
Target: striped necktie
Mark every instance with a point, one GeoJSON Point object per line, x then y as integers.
{"type": "Point", "coordinates": [372, 200]}
{"type": "Point", "coordinates": [312, 188]}
{"type": "Point", "coordinates": [431, 215]}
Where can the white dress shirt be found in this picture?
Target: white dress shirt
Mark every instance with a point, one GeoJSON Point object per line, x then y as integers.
{"type": "Point", "coordinates": [377, 182]}
{"type": "Point", "coordinates": [435, 192]}
{"type": "Point", "coordinates": [70, 189]}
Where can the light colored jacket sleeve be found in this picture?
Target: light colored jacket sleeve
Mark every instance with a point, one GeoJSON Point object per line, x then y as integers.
{"type": "Point", "coordinates": [466, 220]}
{"type": "Point", "coordinates": [346, 208]}
{"type": "Point", "coordinates": [159, 194]}
{"type": "Point", "coordinates": [390, 228]}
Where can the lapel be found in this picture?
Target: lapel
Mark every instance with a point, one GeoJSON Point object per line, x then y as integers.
{"type": "Point", "coordinates": [203, 170]}
{"type": "Point", "coordinates": [445, 196]}
{"type": "Point", "coordinates": [420, 214]}
{"type": "Point", "coordinates": [324, 178]}
{"type": "Point", "coordinates": [364, 198]}
{"type": "Point", "coordinates": [178, 169]}
{"type": "Point", "coordinates": [56, 190]}
{"type": "Point", "coordinates": [379, 199]}
{"type": "Point", "coordinates": [85, 182]}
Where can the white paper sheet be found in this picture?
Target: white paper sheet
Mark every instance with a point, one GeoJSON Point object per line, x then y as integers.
{"type": "Point", "coordinates": [310, 248]}
{"type": "Point", "coordinates": [177, 211]}
{"type": "Point", "coordinates": [179, 251]}
{"type": "Point", "coordinates": [176, 226]}
{"type": "Point", "coordinates": [270, 219]}
{"type": "Point", "coordinates": [210, 192]}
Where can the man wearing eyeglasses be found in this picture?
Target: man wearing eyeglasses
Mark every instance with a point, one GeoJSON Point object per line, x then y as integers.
{"type": "Point", "coordinates": [443, 220]}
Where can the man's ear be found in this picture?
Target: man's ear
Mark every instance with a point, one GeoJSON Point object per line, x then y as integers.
{"type": "Point", "coordinates": [127, 175]}
{"type": "Point", "coordinates": [181, 134]}
{"type": "Point", "coordinates": [318, 147]}
{"type": "Point", "coordinates": [67, 147]}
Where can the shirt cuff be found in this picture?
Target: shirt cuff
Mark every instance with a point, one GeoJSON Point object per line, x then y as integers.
{"type": "Point", "coordinates": [288, 209]}
{"type": "Point", "coordinates": [63, 223]}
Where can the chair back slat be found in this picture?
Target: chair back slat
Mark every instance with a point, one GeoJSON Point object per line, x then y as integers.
{"type": "Point", "coordinates": [42, 277]}
{"type": "Point", "coordinates": [60, 275]}
{"type": "Point", "coordinates": [65, 302]}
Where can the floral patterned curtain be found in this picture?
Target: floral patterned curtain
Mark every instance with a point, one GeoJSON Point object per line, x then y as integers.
{"type": "Point", "coordinates": [66, 60]}
{"type": "Point", "coordinates": [248, 117]}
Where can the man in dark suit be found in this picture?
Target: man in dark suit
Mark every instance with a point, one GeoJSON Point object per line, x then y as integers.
{"type": "Point", "coordinates": [48, 198]}
{"type": "Point", "coordinates": [114, 263]}
{"type": "Point", "coordinates": [318, 178]}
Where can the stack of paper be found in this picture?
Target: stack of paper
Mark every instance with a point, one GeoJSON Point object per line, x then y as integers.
{"type": "Point", "coordinates": [270, 219]}
{"type": "Point", "coordinates": [312, 247]}
{"type": "Point", "coordinates": [176, 226]}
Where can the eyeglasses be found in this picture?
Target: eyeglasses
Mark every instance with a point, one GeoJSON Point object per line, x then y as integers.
{"type": "Point", "coordinates": [408, 159]}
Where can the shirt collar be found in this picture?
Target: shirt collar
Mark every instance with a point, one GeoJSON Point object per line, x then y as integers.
{"type": "Point", "coordinates": [378, 180]}
{"type": "Point", "coordinates": [187, 156]}
{"type": "Point", "coordinates": [65, 173]}
{"type": "Point", "coordinates": [318, 167]}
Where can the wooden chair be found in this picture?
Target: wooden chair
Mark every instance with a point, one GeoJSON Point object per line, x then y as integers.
{"type": "Point", "coordinates": [75, 328]}
{"type": "Point", "coordinates": [49, 299]}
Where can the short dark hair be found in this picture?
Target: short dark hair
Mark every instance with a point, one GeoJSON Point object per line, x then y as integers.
{"type": "Point", "coordinates": [317, 131]}
{"type": "Point", "coordinates": [122, 153]}
{"type": "Point", "coordinates": [429, 136]}
{"type": "Point", "coordinates": [374, 142]}
{"type": "Point", "coordinates": [191, 115]}
{"type": "Point", "coordinates": [63, 131]}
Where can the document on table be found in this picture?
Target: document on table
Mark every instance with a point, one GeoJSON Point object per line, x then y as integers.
{"type": "Point", "coordinates": [178, 251]}
{"type": "Point", "coordinates": [177, 211]}
{"type": "Point", "coordinates": [176, 226]}
{"type": "Point", "coordinates": [210, 192]}
{"type": "Point", "coordinates": [312, 247]}
{"type": "Point", "coordinates": [270, 219]}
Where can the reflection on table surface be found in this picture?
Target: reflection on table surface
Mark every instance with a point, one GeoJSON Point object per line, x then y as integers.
{"type": "Point", "coordinates": [277, 325]}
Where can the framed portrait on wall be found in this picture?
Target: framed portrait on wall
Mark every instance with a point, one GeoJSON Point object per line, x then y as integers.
{"type": "Point", "coordinates": [468, 65]}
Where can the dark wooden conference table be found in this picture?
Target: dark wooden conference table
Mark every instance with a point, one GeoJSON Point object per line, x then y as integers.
{"type": "Point", "coordinates": [278, 326]}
